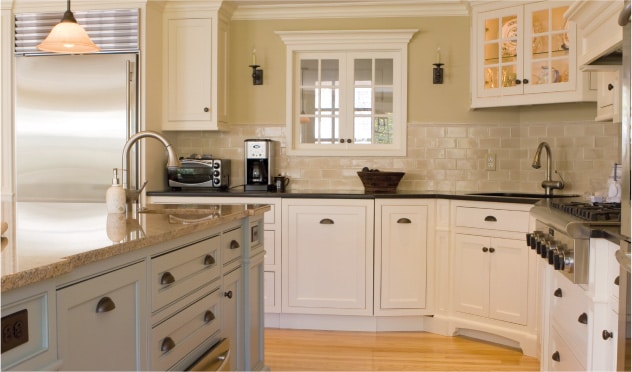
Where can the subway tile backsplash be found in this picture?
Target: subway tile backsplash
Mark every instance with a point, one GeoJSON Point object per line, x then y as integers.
{"type": "Point", "coordinates": [441, 157]}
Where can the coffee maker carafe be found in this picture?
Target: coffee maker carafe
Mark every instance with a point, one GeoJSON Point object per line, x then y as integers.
{"type": "Point", "coordinates": [258, 160]}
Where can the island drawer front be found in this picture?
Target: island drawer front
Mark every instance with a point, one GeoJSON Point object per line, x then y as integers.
{"type": "Point", "coordinates": [559, 349]}
{"type": "Point", "coordinates": [180, 334]}
{"type": "Point", "coordinates": [183, 271]}
{"type": "Point", "coordinates": [232, 245]}
{"type": "Point", "coordinates": [566, 312]}
{"type": "Point", "coordinates": [492, 219]}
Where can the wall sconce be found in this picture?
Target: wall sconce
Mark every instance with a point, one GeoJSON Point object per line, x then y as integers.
{"type": "Point", "coordinates": [437, 71]}
{"type": "Point", "coordinates": [257, 73]}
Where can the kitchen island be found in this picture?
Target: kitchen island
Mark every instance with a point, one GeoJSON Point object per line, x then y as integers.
{"type": "Point", "coordinates": [156, 288]}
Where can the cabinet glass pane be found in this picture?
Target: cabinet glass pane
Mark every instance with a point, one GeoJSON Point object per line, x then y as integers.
{"type": "Point", "coordinates": [492, 29]}
{"type": "Point", "coordinates": [383, 129]}
{"type": "Point", "coordinates": [491, 53]}
{"type": "Point", "coordinates": [384, 72]}
{"type": "Point", "coordinates": [508, 77]}
{"type": "Point", "coordinates": [509, 35]}
{"type": "Point", "coordinates": [330, 72]}
{"type": "Point", "coordinates": [362, 130]}
{"type": "Point", "coordinates": [363, 71]}
{"type": "Point", "coordinates": [491, 78]}
{"type": "Point", "coordinates": [309, 72]}
{"type": "Point", "coordinates": [383, 101]}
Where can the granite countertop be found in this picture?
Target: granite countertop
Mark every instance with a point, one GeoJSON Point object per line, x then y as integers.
{"type": "Point", "coordinates": [51, 239]}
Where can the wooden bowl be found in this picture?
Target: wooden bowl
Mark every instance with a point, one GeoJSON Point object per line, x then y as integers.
{"type": "Point", "coordinates": [376, 182]}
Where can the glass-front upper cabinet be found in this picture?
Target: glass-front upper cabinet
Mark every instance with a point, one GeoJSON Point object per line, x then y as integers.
{"type": "Point", "coordinates": [367, 109]}
{"type": "Point", "coordinates": [526, 55]}
{"type": "Point", "coordinates": [348, 99]}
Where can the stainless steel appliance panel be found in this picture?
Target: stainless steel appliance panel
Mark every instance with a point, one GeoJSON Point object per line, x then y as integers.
{"type": "Point", "coordinates": [216, 359]}
{"type": "Point", "coordinates": [626, 139]}
{"type": "Point", "coordinates": [73, 116]}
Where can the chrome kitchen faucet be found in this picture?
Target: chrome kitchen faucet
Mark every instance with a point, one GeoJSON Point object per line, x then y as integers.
{"type": "Point", "coordinates": [548, 184]}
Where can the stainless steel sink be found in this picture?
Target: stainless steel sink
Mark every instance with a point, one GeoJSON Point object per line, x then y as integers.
{"type": "Point", "coordinates": [522, 195]}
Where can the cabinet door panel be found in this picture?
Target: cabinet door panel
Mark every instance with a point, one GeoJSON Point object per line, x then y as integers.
{"type": "Point", "coordinates": [403, 257]}
{"type": "Point", "coordinates": [327, 257]}
{"type": "Point", "coordinates": [108, 340]}
{"type": "Point", "coordinates": [471, 287]}
{"type": "Point", "coordinates": [508, 280]}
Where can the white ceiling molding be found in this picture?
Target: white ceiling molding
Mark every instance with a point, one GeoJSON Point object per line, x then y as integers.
{"type": "Point", "coordinates": [246, 10]}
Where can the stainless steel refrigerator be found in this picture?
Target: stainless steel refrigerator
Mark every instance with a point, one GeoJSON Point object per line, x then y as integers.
{"type": "Point", "coordinates": [73, 116]}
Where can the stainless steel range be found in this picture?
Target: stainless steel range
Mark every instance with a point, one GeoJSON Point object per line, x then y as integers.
{"type": "Point", "coordinates": [563, 230]}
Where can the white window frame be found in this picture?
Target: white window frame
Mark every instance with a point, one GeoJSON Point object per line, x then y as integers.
{"type": "Point", "coordinates": [378, 43]}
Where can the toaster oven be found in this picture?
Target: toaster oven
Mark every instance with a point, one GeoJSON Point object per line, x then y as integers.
{"type": "Point", "coordinates": [200, 173]}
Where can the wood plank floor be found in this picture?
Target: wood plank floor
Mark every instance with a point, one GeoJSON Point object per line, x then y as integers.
{"type": "Point", "coordinates": [305, 350]}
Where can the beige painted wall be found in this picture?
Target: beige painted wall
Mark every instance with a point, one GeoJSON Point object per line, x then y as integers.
{"type": "Point", "coordinates": [447, 141]}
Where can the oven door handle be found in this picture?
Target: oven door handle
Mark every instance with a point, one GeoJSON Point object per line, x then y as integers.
{"type": "Point", "coordinates": [215, 359]}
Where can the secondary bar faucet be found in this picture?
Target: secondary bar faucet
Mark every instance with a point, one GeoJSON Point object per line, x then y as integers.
{"type": "Point", "coordinates": [548, 184]}
{"type": "Point", "coordinates": [172, 158]}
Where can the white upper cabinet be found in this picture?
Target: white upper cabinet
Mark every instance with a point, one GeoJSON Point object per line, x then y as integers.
{"type": "Point", "coordinates": [525, 54]}
{"type": "Point", "coordinates": [347, 96]}
{"type": "Point", "coordinates": [195, 55]}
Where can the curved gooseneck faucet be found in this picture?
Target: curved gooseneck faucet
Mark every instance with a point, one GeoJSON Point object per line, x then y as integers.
{"type": "Point", "coordinates": [548, 184]}
{"type": "Point", "coordinates": [172, 160]}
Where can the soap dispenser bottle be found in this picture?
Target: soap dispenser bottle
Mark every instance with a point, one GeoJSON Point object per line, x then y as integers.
{"type": "Point", "coordinates": [115, 195]}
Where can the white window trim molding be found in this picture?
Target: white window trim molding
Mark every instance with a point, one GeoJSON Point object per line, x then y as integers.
{"type": "Point", "coordinates": [348, 41]}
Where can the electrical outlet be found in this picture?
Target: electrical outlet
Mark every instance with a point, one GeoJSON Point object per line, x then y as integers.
{"type": "Point", "coordinates": [491, 162]}
{"type": "Point", "coordinates": [15, 330]}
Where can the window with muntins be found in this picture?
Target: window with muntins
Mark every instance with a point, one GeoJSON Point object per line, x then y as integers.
{"type": "Point", "coordinates": [347, 96]}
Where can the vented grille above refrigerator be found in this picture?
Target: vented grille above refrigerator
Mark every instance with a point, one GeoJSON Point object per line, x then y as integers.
{"type": "Point", "coordinates": [112, 30]}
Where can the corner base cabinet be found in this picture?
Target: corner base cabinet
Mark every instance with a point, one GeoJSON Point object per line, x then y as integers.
{"type": "Point", "coordinates": [327, 256]}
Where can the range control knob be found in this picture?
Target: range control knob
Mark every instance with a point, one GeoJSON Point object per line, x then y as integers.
{"type": "Point", "coordinates": [216, 165]}
{"type": "Point", "coordinates": [553, 246]}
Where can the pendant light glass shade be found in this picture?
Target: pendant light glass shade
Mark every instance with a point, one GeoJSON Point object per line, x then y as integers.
{"type": "Point", "coordinates": [68, 37]}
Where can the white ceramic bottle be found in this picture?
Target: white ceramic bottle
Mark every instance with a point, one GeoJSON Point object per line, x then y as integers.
{"type": "Point", "coordinates": [115, 196]}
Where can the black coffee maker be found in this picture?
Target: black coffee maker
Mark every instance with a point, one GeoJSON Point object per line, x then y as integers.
{"type": "Point", "coordinates": [259, 157]}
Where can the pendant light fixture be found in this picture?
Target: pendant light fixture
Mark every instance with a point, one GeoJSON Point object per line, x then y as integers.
{"type": "Point", "coordinates": [68, 37]}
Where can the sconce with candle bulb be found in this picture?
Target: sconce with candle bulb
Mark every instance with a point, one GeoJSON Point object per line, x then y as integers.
{"type": "Point", "coordinates": [437, 71]}
{"type": "Point", "coordinates": [257, 73]}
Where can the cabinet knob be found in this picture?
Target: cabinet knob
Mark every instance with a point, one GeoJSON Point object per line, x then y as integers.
{"type": "Point", "coordinates": [485, 249]}
{"type": "Point", "coordinates": [403, 220]}
{"type": "Point", "coordinates": [348, 140]}
{"type": "Point", "coordinates": [518, 81]}
{"type": "Point", "coordinates": [209, 260]}
{"type": "Point", "coordinates": [556, 356]}
{"type": "Point", "coordinates": [342, 140]}
{"type": "Point", "coordinates": [583, 318]}
{"type": "Point", "coordinates": [105, 304]}
{"type": "Point", "coordinates": [492, 249]}
{"type": "Point", "coordinates": [167, 278]}
{"type": "Point", "coordinates": [208, 316]}
{"type": "Point", "coordinates": [610, 86]}
{"type": "Point", "coordinates": [490, 219]}
{"type": "Point", "coordinates": [616, 280]}
{"type": "Point", "coordinates": [228, 294]}
{"type": "Point", "coordinates": [206, 109]}
{"type": "Point", "coordinates": [326, 221]}
{"type": "Point", "coordinates": [525, 81]}
{"type": "Point", "coordinates": [558, 292]}
{"type": "Point", "coordinates": [234, 244]}
{"type": "Point", "coordinates": [167, 344]}
{"type": "Point", "coordinates": [606, 335]}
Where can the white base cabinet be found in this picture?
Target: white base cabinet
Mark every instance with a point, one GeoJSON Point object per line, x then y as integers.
{"type": "Point", "coordinates": [101, 322]}
{"type": "Point", "coordinates": [327, 256]}
{"type": "Point", "coordinates": [490, 277]}
{"type": "Point", "coordinates": [403, 242]}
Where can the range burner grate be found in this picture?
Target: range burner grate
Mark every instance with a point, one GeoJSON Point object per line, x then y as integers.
{"type": "Point", "coordinates": [588, 211]}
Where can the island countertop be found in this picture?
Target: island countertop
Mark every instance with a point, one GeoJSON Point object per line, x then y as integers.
{"type": "Point", "coordinates": [51, 239]}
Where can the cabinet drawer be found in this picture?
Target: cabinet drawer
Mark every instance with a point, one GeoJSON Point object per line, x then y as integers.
{"type": "Point", "coordinates": [177, 273]}
{"type": "Point", "coordinates": [232, 245]}
{"type": "Point", "coordinates": [559, 356]}
{"type": "Point", "coordinates": [571, 314]}
{"type": "Point", "coordinates": [177, 336]}
{"type": "Point", "coordinates": [492, 219]}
